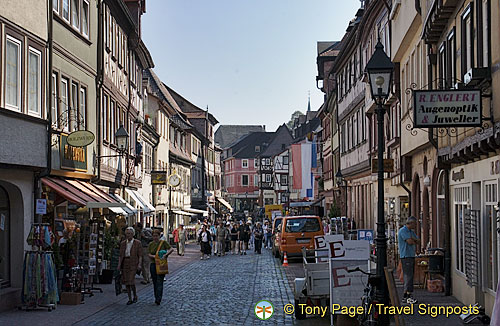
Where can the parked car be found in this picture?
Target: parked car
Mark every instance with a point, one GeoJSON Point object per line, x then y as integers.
{"type": "Point", "coordinates": [298, 232]}
{"type": "Point", "coordinates": [276, 236]}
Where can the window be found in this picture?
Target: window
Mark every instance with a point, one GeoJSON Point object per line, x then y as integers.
{"type": "Point", "coordinates": [257, 149]}
{"type": "Point", "coordinates": [298, 225]}
{"type": "Point", "coordinates": [85, 18]}
{"type": "Point", "coordinates": [483, 29]}
{"type": "Point", "coordinates": [13, 74]}
{"type": "Point", "coordinates": [54, 111]}
{"type": "Point", "coordinates": [65, 9]}
{"type": "Point", "coordinates": [461, 198]}
{"type": "Point", "coordinates": [285, 160]}
{"type": "Point", "coordinates": [268, 178]}
{"type": "Point", "coordinates": [355, 128]}
{"type": "Point", "coordinates": [256, 180]}
{"type": "Point", "coordinates": [55, 6]}
{"type": "Point", "coordinates": [112, 121]}
{"type": "Point", "coordinates": [65, 112]}
{"type": "Point", "coordinates": [268, 161]}
{"type": "Point", "coordinates": [442, 67]}
{"type": "Point", "coordinates": [75, 112]}
{"type": "Point", "coordinates": [83, 108]}
{"type": "Point", "coordinates": [490, 219]}
{"type": "Point", "coordinates": [75, 13]}
{"type": "Point", "coordinates": [467, 41]}
{"type": "Point", "coordinates": [105, 118]}
{"type": "Point", "coordinates": [244, 180]}
{"type": "Point", "coordinates": [255, 163]}
{"type": "Point", "coordinates": [451, 72]}
{"type": "Point", "coordinates": [284, 179]}
{"type": "Point", "coordinates": [34, 82]}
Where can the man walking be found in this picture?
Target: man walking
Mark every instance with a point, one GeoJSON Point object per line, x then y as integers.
{"type": "Point", "coordinates": [221, 240]}
{"type": "Point", "coordinates": [145, 236]}
{"type": "Point", "coordinates": [407, 241]}
{"type": "Point", "coordinates": [181, 234]}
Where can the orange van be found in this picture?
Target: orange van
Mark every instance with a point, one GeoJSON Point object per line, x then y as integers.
{"type": "Point", "coordinates": [298, 232]}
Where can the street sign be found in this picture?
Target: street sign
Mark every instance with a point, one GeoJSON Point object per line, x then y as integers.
{"type": "Point", "coordinates": [388, 165]}
{"type": "Point", "coordinates": [449, 108]}
{"type": "Point", "coordinates": [365, 235]}
{"type": "Point", "coordinates": [41, 206]}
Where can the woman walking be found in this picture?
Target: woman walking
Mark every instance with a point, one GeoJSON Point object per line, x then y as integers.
{"type": "Point", "coordinates": [154, 248]}
{"type": "Point", "coordinates": [130, 262]}
{"type": "Point", "coordinates": [234, 238]}
{"type": "Point", "coordinates": [204, 239]}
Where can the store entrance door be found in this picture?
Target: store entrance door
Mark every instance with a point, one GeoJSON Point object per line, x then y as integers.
{"type": "Point", "coordinates": [4, 239]}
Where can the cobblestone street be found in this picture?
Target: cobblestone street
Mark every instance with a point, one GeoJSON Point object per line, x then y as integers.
{"type": "Point", "coordinates": [218, 291]}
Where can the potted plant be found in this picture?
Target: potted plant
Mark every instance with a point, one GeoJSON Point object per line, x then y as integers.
{"type": "Point", "coordinates": [111, 241]}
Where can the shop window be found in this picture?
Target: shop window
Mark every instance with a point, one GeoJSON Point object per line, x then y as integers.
{"type": "Point", "coordinates": [491, 242]}
{"type": "Point", "coordinates": [462, 195]}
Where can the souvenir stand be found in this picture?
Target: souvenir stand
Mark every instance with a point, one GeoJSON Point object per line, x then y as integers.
{"type": "Point", "coordinates": [39, 271]}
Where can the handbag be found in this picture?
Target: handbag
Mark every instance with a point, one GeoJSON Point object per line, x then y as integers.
{"type": "Point", "coordinates": [161, 264]}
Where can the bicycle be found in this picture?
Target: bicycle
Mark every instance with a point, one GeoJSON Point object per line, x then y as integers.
{"type": "Point", "coordinates": [370, 315]}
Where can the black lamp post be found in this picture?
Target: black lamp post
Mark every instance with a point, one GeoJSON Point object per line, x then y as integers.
{"type": "Point", "coordinates": [342, 182]}
{"type": "Point", "coordinates": [379, 70]}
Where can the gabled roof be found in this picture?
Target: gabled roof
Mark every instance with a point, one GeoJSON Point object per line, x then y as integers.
{"type": "Point", "coordinates": [245, 148]}
{"type": "Point", "coordinates": [190, 109]}
{"type": "Point", "coordinates": [282, 139]}
{"type": "Point", "coordinates": [228, 135]}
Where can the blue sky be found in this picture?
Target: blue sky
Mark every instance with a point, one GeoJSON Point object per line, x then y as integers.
{"type": "Point", "coordinates": [250, 61]}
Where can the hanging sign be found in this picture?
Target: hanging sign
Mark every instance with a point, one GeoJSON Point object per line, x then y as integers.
{"type": "Point", "coordinates": [41, 206]}
{"type": "Point", "coordinates": [388, 165]}
{"type": "Point", "coordinates": [158, 177]}
{"type": "Point", "coordinates": [72, 158]}
{"type": "Point", "coordinates": [449, 108]}
{"type": "Point", "coordinates": [80, 138]}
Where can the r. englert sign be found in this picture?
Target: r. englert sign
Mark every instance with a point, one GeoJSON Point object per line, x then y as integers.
{"type": "Point", "coordinates": [449, 108]}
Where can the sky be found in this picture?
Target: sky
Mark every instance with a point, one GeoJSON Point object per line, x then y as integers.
{"type": "Point", "coordinates": [249, 61]}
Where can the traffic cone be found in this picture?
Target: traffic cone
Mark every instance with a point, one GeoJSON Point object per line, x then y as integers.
{"type": "Point", "coordinates": [285, 261]}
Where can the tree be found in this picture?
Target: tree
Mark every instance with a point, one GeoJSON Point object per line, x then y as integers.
{"type": "Point", "coordinates": [295, 115]}
{"type": "Point", "coordinates": [334, 211]}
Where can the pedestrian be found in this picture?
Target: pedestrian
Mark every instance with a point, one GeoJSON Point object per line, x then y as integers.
{"type": "Point", "coordinates": [407, 241]}
{"type": "Point", "coordinates": [258, 234]}
{"type": "Point", "coordinates": [265, 227]}
{"type": "Point", "coordinates": [213, 242]}
{"type": "Point", "coordinates": [130, 262]}
{"type": "Point", "coordinates": [146, 237]}
{"type": "Point", "coordinates": [176, 239]}
{"type": "Point", "coordinates": [154, 248]}
{"type": "Point", "coordinates": [251, 237]}
{"type": "Point", "coordinates": [204, 239]}
{"type": "Point", "coordinates": [241, 239]}
{"type": "Point", "coordinates": [197, 228]}
{"type": "Point", "coordinates": [182, 239]}
{"type": "Point", "coordinates": [269, 233]}
{"type": "Point", "coordinates": [234, 239]}
{"type": "Point", "coordinates": [228, 238]}
{"type": "Point", "coordinates": [248, 235]}
{"type": "Point", "coordinates": [221, 240]}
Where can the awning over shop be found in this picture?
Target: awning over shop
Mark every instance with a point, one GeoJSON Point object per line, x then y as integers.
{"type": "Point", "coordinates": [118, 210]}
{"type": "Point", "coordinates": [182, 213]}
{"type": "Point", "coordinates": [301, 204]}
{"type": "Point", "coordinates": [194, 210]}
{"type": "Point", "coordinates": [225, 203]}
{"type": "Point", "coordinates": [140, 201]}
{"type": "Point", "coordinates": [129, 210]}
{"type": "Point", "coordinates": [81, 193]}
{"type": "Point", "coordinates": [212, 209]}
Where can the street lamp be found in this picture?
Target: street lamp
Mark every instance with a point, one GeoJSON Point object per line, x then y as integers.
{"type": "Point", "coordinates": [341, 181]}
{"type": "Point", "coordinates": [379, 70]}
{"type": "Point", "coordinates": [122, 137]}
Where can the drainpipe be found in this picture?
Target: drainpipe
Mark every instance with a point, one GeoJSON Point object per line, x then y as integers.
{"type": "Point", "coordinates": [46, 172]}
{"type": "Point", "coordinates": [447, 235]}
{"type": "Point", "coordinates": [98, 84]}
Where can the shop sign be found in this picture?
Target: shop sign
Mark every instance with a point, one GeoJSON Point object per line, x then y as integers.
{"type": "Point", "coordinates": [450, 108]}
{"type": "Point", "coordinates": [80, 138]}
{"type": "Point", "coordinates": [388, 165]}
{"type": "Point", "coordinates": [158, 177]}
{"type": "Point", "coordinates": [41, 206]}
{"type": "Point", "coordinates": [72, 158]}
{"type": "Point", "coordinates": [457, 176]}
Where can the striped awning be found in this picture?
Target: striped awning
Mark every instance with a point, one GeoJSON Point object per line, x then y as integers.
{"type": "Point", "coordinates": [81, 193]}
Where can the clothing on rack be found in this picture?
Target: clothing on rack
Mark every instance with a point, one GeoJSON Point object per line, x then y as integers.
{"type": "Point", "coordinates": [41, 236]}
{"type": "Point", "coordinates": [39, 279]}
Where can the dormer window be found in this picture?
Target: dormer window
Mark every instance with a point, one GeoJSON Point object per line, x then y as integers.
{"type": "Point", "coordinates": [257, 149]}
